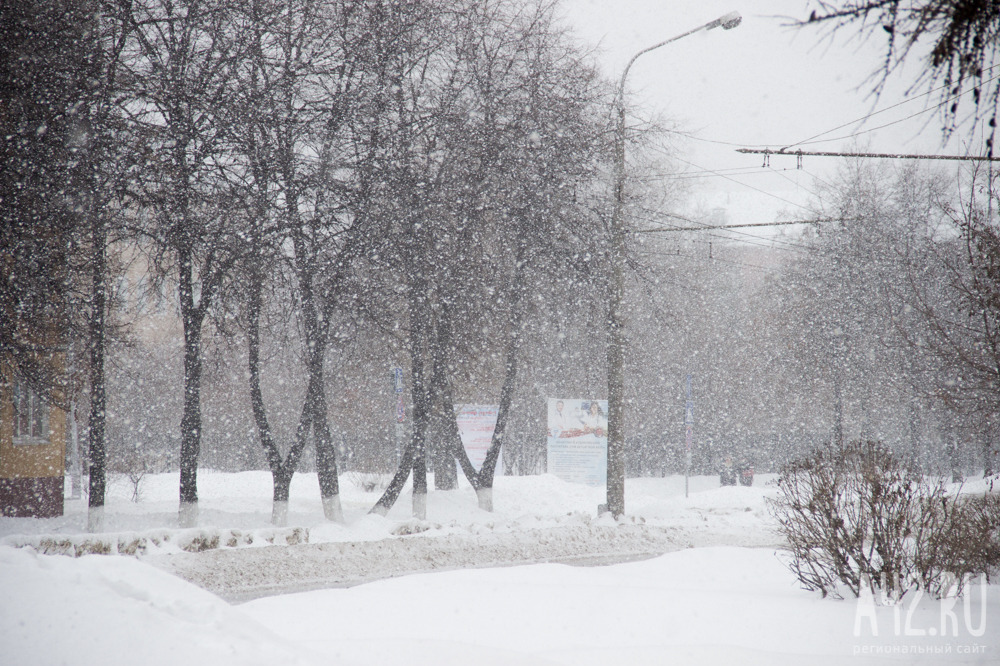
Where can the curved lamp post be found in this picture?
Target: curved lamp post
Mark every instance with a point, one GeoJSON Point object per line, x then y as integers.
{"type": "Point", "coordinates": [616, 341]}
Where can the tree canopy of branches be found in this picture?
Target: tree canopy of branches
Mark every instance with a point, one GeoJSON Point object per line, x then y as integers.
{"type": "Point", "coordinates": [900, 298]}
{"type": "Point", "coordinates": [498, 143]}
{"type": "Point", "coordinates": [965, 332]}
{"type": "Point", "coordinates": [428, 171]}
{"type": "Point", "coordinates": [42, 132]}
{"type": "Point", "coordinates": [963, 38]}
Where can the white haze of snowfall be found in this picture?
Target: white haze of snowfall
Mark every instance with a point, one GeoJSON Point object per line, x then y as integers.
{"type": "Point", "coordinates": [723, 596]}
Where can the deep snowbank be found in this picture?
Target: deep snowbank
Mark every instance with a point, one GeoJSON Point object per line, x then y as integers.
{"type": "Point", "coordinates": [696, 606]}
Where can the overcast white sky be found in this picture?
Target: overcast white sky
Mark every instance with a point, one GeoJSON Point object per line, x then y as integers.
{"type": "Point", "coordinates": [760, 84]}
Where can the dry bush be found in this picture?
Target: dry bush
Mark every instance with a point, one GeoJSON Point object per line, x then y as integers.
{"type": "Point", "coordinates": [855, 516]}
{"type": "Point", "coordinates": [967, 542]}
{"type": "Point", "coordinates": [369, 482]}
{"type": "Point", "coordinates": [131, 462]}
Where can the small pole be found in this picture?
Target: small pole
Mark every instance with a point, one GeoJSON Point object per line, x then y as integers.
{"type": "Point", "coordinates": [399, 409]}
{"type": "Point", "coordinates": [689, 435]}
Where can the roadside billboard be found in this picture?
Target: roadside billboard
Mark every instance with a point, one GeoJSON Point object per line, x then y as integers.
{"type": "Point", "coordinates": [578, 440]}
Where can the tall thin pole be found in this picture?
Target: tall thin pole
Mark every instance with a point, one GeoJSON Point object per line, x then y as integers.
{"type": "Point", "coordinates": [688, 434]}
{"type": "Point", "coordinates": [616, 333]}
{"type": "Point", "coordinates": [616, 328]}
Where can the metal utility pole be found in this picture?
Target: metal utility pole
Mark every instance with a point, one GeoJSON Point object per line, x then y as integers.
{"type": "Point", "coordinates": [616, 334]}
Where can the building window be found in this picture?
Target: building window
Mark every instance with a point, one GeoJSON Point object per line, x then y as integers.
{"type": "Point", "coordinates": [31, 416]}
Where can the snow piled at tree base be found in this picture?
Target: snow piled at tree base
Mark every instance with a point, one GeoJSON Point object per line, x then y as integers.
{"type": "Point", "coordinates": [194, 540]}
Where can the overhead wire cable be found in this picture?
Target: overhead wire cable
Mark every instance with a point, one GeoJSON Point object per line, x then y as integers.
{"type": "Point", "coordinates": [692, 257]}
{"type": "Point", "coordinates": [915, 98]}
{"type": "Point", "coordinates": [758, 241]}
{"type": "Point", "coordinates": [734, 171]}
{"type": "Point", "coordinates": [717, 141]}
{"type": "Point", "coordinates": [774, 243]}
{"type": "Point", "coordinates": [778, 173]}
{"type": "Point", "coordinates": [704, 225]}
{"type": "Point", "coordinates": [756, 189]}
{"type": "Point", "coordinates": [763, 243]}
{"type": "Point", "coordinates": [816, 177]}
{"type": "Point", "coordinates": [811, 140]}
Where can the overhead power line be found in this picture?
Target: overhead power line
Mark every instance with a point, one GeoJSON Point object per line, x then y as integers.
{"type": "Point", "coordinates": [654, 217]}
{"type": "Point", "coordinates": [813, 139]}
{"type": "Point", "coordinates": [739, 226]}
{"type": "Point", "coordinates": [857, 121]}
{"type": "Point", "coordinates": [888, 156]}
{"type": "Point", "coordinates": [746, 185]}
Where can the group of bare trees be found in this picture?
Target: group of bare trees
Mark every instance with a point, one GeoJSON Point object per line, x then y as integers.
{"type": "Point", "coordinates": [425, 171]}
{"type": "Point", "coordinates": [897, 291]}
{"type": "Point", "coordinates": [422, 182]}
{"type": "Point", "coordinates": [875, 322]}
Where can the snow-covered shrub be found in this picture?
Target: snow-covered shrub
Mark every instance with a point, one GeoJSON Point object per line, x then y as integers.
{"type": "Point", "coordinates": [855, 516]}
{"type": "Point", "coordinates": [130, 462]}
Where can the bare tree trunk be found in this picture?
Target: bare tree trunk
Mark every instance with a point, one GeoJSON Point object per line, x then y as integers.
{"type": "Point", "coordinates": [454, 437]}
{"type": "Point", "coordinates": [419, 329]}
{"type": "Point", "coordinates": [326, 462]}
{"type": "Point", "coordinates": [279, 505]}
{"type": "Point", "coordinates": [484, 492]}
{"type": "Point", "coordinates": [98, 406]}
{"type": "Point", "coordinates": [989, 452]}
{"type": "Point", "coordinates": [75, 473]}
{"type": "Point", "coordinates": [916, 448]}
{"type": "Point", "coordinates": [953, 449]}
{"type": "Point", "coordinates": [391, 494]}
{"type": "Point", "coordinates": [413, 455]}
{"type": "Point", "coordinates": [191, 418]}
{"type": "Point", "coordinates": [442, 410]}
{"type": "Point", "coordinates": [838, 408]}
{"type": "Point", "coordinates": [447, 426]}
{"type": "Point", "coordinates": [282, 470]}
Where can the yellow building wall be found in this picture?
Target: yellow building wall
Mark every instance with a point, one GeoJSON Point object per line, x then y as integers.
{"type": "Point", "coordinates": [30, 460]}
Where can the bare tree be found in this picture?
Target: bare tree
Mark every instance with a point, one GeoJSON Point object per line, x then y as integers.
{"type": "Point", "coordinates": [67, 167]}
{"type": "Point", "coordinates": [497, 209]}
{"type": "Point", "coordinates": [956, 315]}
{"type": "Point", "coordinates": [179, 66]}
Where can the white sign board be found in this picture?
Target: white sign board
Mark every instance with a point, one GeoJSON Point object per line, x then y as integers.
{"type": "Point", "coordinates": [578, 440]}
{"type": "Point", "coordinates": [476, 424]}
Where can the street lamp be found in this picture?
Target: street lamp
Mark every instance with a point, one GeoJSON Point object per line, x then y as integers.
{"type": "Point", "coordinates": [616, 342]}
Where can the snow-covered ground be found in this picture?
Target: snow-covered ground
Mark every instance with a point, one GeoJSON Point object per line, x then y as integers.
{"type": "Point", "coordinates": [719, 595]}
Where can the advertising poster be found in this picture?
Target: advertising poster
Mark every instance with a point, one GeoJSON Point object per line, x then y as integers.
{"type": "Point", "coordinates": [475, 425]}
{"type": "Point", "coordinates": [578, 440]}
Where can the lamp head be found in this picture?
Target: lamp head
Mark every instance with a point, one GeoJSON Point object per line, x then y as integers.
{"type": "Point", "coordinates": [731, 20]}
{"type": "Point", "coordinates": [728, 22]}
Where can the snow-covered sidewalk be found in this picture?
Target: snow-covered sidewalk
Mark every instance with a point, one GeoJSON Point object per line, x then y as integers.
{"type": "Point", "coordinates": [240, 574]}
